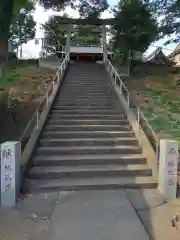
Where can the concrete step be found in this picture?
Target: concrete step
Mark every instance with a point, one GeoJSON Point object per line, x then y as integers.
{"type": "Point", "coordinates": [86, 134]}
{"type": "Point", "coordinates": [85, 98]}
{"type": "Point", "coordinates": [87, 111]}
{"type": "Point", "coordinates": [88, 171]}
{"type": "Point", "coordinates": [83, 127]}
{"type": "Point", "coordinates": [86, 94]}
{"type": "Point", "coordinates": [85, 103]}
{"type": "Point", "coordinates": [89, 83]}
{"type": "Point", "coordinates": [96, 183]}
{"type": "Point", "coordinates": [82, 87]}
{"type": "Point", "coordinates": [87, 121]}
{"type": "Point", "coordinates": [96, 88]}
{"type": "Point", "coordinates": [123, 149]}
{"type": "Point", "coordinates": [87, 77]}
{"type": "Point", "coordinates": [89, 116]}
{"type": "Point", "coordinates": [87, 141]}
{"type": "Point", "coordinates": [87, 107]}
{"type": "Point", "coordinates": [90, 159]}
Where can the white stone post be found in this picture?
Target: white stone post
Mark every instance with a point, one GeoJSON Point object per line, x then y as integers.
{"type": "Point", "coordinates": [68, 40]}
{"type": "Point", "coordinates": [10, 173]}
{"type": "Point", "coordinates": [104, 43]}
{"type": "Point", "coordinates": [168, 166]}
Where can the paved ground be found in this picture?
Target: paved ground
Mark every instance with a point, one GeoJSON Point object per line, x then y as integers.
{"type": "Point", "coordinates": [90, 215]}
{"type": "Point", "coordinates": [53, 62]}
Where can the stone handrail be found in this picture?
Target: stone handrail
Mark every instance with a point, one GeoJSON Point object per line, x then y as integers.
{"type": "Point", "coordinates": [37, 121]}
{"type": "Point", "coordinates": [140, 118]}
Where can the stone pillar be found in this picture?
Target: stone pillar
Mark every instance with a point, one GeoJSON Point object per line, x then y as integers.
{"type": "Point", "coordinates": [168, 166]}
{"type": "Point", "coordinates": [68, 40]}
{"type": "Point", "coordinates": [105, 55]}
{"type": "Point", "coordinates": [10, 173]}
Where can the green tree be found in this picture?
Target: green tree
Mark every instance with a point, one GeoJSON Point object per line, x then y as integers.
{"type": "Point", "coordinates": [135, 28]}
{"type": "Point", "coordinates": [55, 33]}
{"type": "Point", "coordinates": [10, 7]}
{"type": "Point", "coordinates": [23, 27]}
{"type": "Point", "coordinates": [169, 15]}
{"type": "Point", "coordinates": [89, 9]}
{"type": "Point", "coordinates": [7, 7]}
{"type": "Point", "coordinates": [86, 35]}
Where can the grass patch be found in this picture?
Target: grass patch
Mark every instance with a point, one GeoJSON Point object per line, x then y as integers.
{"type": "Point", "coordinates": [11, 78]}
{"type": "Point", "coordinates": [162, 109]}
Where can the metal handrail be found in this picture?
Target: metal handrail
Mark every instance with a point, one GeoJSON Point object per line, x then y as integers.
{"type": "Point", "coordinates": [45, 101]}
{"type": "Point", "coordinates": [139, 115]}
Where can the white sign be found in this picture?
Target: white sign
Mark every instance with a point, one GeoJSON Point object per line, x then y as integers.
{"type": "Point", "coordinates": [10, 170]}
{"type": "Point", "coordinates": [168, 168]}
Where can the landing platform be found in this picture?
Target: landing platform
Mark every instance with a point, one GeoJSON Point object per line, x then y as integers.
{"type": "Point", "coordinates": [96, 215]}
{"type": "Point", "coordinates": [84, 215]}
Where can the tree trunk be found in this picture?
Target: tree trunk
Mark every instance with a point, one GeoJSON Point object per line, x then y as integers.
{"type": "Point", "coordinates": [6, 12]}
{"type": "Point", "coordinates": [3, 49]}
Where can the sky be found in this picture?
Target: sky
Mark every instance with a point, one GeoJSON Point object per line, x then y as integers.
{"type": "Point", "coordinates": [31, 50]}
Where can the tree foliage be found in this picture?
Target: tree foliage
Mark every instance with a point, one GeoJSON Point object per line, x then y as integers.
{"type": "Point", "coordinates": [89, 9]}
{"type": "Point", "coordinates": [57, 4]}
{"type": "Point", "coordinates": [10, 7]}
{"type": "Point", "coordinates": [136, 28]}
{"type": "Point", "coordinates": [23, 26]}
{"type": "Point", "coordinates": [92, 9]}
{"type": "Point", "coordinates": [21, 32]}
{"type": "Point", "coordinates": [55, 33]}
{"type": "Point", "coordinates": [169, 15]}
{"type": "Point", "coordinates": [86, 36]}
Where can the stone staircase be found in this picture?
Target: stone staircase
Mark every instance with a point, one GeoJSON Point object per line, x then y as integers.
{"type": "Point", "coordinates": [87, 142]}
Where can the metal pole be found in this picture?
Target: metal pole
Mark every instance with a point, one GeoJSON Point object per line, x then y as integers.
{"type": "Point", "coordinates": [115, 78]}
{"type": "Point", "coordinates": [120, 87]}
{"type": "Point", "coordinates": [138, 116]}
{"type": "Point", "coordinates": [37, 120]}
{"type": "Point", "coordinates": [129, 56]}
{"type": "Point", "coordinates": [104, 43]}
{"type": "Point", "coordinates": [58, 77]}
{"type": "Point", "coordinates": [47, 100]}
{"type": "Point", "coordinates": [68, 40]}
{"type": "Point", "coordinates": [53, 86]}
{"type": "Point", "coordinates": [128, 100]}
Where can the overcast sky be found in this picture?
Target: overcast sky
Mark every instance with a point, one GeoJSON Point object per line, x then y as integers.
{"type": "Point", "coordinates": [41, 16]}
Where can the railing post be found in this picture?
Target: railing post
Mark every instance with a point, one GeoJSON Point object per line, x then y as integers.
{"type": "Point", "coordinates": [61, 71]}
{"type": "Point", "coordinates": [53, 86]}
{"type": "Point", "coordinates": [157, 152]}
{"type": "Point", "coordinates": [115, 79]}
{"type": "Point", "coordinates": [138, 116]}
{"type": "Point", "coordinates": [120, 87]}
{"type": "Point", "coordinates": [37, 120]}
{"type": "Point", "coordinates": [128, 99]}
{"type": "Point", "coordinates": [47, 99]}
{"type": "Point", "coordinates": [138, 120]}
{"type": "Point", "coordinates": [58, 77]}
